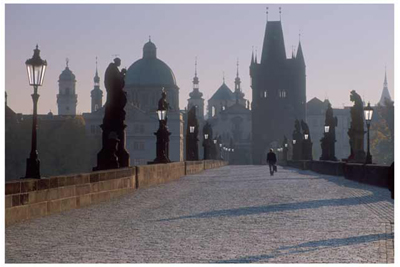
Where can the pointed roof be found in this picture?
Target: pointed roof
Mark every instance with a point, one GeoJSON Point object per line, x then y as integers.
{"type": "Point", "coordinates": [274, 46]}
{"type": "Point", "coordinates": [385, 92]}
{"type": "Point", "coordinates": [223, 93]}
{"type": "Point", "coordinates": [299, 55]}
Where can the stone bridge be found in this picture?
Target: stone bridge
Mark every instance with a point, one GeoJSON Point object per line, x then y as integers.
{"type": "Point", "coordinates": [232, 214]}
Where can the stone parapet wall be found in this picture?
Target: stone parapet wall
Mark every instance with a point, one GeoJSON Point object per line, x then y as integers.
{"type": "Point", "coordinates": [32, 198]}
{"type": "Point", "coordinates": [372, 174]}
{"type": "Point", "coordinates": [211, 164]}
{"type": "Point", "coordinates": [193, 167]}
{"type": "Point", "coordinates": [148, 175]}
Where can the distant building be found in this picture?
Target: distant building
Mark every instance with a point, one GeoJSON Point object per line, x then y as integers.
{"type": "Point", "coordinates": [67, 98]}
{"type": "Point", "coordinates": [279, 92]}
{"type": "Point", "coordinates": [144, 82]}
{"type": "Point", "coordinates": [230, 118]}
{"type": "Point", "coordinates": [96, 94]}
{"type": "Point", "coordinates": [385, 93]}
{"type": "Point", "coordinates": [316, 110]}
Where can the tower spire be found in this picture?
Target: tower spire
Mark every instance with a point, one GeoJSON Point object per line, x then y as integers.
{"type": "Point", "coordinates": [280, 13]}
{"type": "Point", "coordinates": [385, 81]}
{"type": "Point", "coordinates": [195, 67]}
{"type": "Point", "coordinates": [267, 14]}
{"type": "Point", "coordinates": [252, 55]}
{"type": "Point", "coordinates": [66, 62]}
{"type": "Point", "coordinates": [195, 79]}
{"type": "Point", "coordinates": [237, 68]}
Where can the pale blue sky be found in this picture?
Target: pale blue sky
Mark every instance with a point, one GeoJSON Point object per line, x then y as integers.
{"type": "Point", "coordinates": [345, 47]}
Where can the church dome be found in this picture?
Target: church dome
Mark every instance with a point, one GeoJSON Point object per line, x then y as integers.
{"type": "Point", "coordinates": [149, 70]}
{"type": "Point", "coordinates": [67, 75]}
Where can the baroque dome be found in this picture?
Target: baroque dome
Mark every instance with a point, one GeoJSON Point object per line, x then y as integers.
{"type": "Point", "coordinates": [149, 70]}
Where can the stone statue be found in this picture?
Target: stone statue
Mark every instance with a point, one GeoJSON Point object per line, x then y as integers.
{"type": "Point", "coordinates": [113, 122]}
{"type": "Point", "coordinates": [356, 131]}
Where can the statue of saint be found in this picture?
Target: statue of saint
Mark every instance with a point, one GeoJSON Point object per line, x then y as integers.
{"type": "Point", "coordinates": [114, 81]}
{"type": "Point", "coordinates": [356, 131]}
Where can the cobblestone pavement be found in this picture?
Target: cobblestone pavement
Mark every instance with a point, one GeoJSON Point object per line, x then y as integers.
{"type": "Point", "coordinates": [234, 214]}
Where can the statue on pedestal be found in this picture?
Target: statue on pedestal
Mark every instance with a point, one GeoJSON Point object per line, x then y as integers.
{"type": "Point", "coordinates": [113, 153]}
{"type": "Point", "coordinates": [356, 131]}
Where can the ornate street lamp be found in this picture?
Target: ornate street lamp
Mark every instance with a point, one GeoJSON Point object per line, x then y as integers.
{"type": "Point", "coordinates": [368, 111]}
{"type": "Point", "coordinates": [36, 68]}
{"type": "Point", "coordinates": [294, 141]}
{"type": "Point", "coordinates": [306, 136]}
{"type": "Point", "coordinates": [326, 129]}
{"type": "Point", "coordinates": [191, 129]}
{"type": "Point", "coordinates": [206, 136]}
{"type": "Point", "coordinates": [162, 133]}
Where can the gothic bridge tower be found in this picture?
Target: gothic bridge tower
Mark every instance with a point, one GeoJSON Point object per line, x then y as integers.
{"type": "Point", "coordinates": [279, 92]}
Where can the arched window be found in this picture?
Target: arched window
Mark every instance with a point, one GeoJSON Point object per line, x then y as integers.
{"type": "Point", "coordinates": [96, 107]}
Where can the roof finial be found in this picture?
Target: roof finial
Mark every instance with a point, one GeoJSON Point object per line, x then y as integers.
{"type": "Point", "coordinates": [237, 67]}
{"type": "Point", "coordinates": [280, 13]}
{"type": "Point", "coordinates": [299, 35]}
{"type": "Point", "coordinates": [223, 76]}
{"type": "Point", "coordinates": [195, 67]}
{"type": "Point", "coordinates": [267, 13]}
{"type": "Point", "coordinates": [256, 55]}
{"type": "Point", "coordinates": [149, 38]}
{"type": "Point", "coordinates": [67, 61]}
{"type": "Point", "coordinates": [96, 64]}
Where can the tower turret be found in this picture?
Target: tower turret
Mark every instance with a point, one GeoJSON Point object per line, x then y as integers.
{"type": "Point", "coordinates": [67, 99]}
{"type": "Point", "coordinates": [196, 96]}
{"type": "Point", "coordinates": [96, 94]}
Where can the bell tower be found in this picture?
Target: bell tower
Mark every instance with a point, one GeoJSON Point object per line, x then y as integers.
{"type": "Point", "coordinates": [96, 94]}
{"type": "Point", "coordinates": [196, 98]}
{"type": "Point", "coordinates": [67, 99]}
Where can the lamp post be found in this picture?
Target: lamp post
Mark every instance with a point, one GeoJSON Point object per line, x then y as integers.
{"type": "Point", "coordinates": [36, 68]}
{"type": "Point", "coordinates": [214, 150]}
{"type": "Point", "coordinates": [368, 111]}
{"type": "Point", "coordinates": [162, 133]}
{"type": "Point", "coordinates": [207, 141]}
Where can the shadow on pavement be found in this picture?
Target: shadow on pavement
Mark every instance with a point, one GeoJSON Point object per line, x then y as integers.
{"type": "Point", "coordinates": [312, 246]}
{"type": "Point", "coordinates": [313, 204]}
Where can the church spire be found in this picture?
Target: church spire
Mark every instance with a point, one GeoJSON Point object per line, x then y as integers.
{"type": "Point", "coordinates": [299, 55]}
{"type": "Point", "coordinates": [252, 56]}
{"type": "Point", "coordinates": [238, 90]}
{"type": "Point", "coordinates": [195, 94]}
{"type": "Point", "coordinates": [385, 92]}
{"type": "Point", "coordinates": [195, 79]}
{"type": "Point", "coordinates": [96, 78]}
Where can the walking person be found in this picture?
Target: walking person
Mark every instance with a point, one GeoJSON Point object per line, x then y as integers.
{"type": "Point", "coordinates": [271, 160]}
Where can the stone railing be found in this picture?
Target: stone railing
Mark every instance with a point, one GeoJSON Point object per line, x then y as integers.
{"type": "Point", "coordinates": [372, 174]}
{"type": "Point", "coordinates": [32, 198]}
